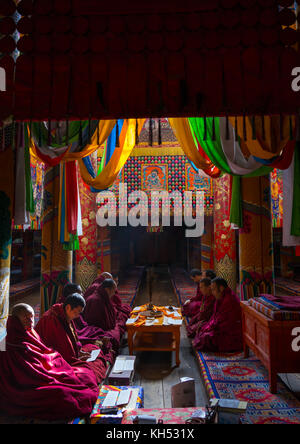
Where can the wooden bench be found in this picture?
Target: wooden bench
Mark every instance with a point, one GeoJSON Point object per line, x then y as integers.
{"type": "Point", "coordinates": [271, 341]}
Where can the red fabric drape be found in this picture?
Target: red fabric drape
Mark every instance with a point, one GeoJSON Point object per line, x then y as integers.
{"type": "Point", "coordinates": [158, 58]}
{"type": "Point", "coordinates": [72, 200]}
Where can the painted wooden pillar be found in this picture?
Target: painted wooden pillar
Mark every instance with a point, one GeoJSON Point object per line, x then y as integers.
{"type": "Point", "coordinates": [256, 243]}
{"type": "Point", "coordinates": [86, 256]}
{"type": "Point", "coordinates": [56, 263]}
{"type": "Point", "coordinates": [6, 200]}
{"type": "Point", "coordinates": [224, 236]}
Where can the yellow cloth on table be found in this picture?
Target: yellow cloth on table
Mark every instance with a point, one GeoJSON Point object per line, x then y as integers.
{"type": "Point", "coordinates": [166, 312]}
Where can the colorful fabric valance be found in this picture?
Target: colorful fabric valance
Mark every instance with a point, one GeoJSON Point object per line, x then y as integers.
{"type": "Point", "coordinates": [191, 148]}
{"type": "Point", "coordinates": [209, 133]}
{"type": "Point", "coordinates": [271, 134]}
{"type": "Point", "coordinates": [118, 159]}
{"type": "Point", "coordinates": [76, 149]}
{"type": "Point", "coordinates": [69, 212]}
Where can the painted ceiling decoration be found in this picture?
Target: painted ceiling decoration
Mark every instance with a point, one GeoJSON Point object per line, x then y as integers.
{"type": "Point", "coordinates": [90, 59]}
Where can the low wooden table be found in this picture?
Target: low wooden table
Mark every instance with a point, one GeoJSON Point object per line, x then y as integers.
{"type": "Point", "coordinates": [136, 338]}
{"type": "Point", "coordinates": [271, 342]}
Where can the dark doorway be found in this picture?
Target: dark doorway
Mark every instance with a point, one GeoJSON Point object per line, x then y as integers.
{"type": "Point", "coordinates": [137, 246]}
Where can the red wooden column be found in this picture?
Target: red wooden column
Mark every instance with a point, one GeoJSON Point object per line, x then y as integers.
{"type": "Point", "coordinates": [224, 236]}
{"type": "Point", "coordinates": [86, 256]}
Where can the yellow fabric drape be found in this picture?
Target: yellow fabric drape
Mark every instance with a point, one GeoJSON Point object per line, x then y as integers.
{"type": "Point", "coordinates": [105, 127]}
{"type": "Point", "coordinates": [110, 172]}
{"type": "Point", "coordinates": [184, 135]}
{"type": "Point", "coordinates": [270, 146]}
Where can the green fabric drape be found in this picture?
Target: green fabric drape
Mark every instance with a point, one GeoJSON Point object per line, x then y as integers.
{"type": "Point", "coordinates": [213, 147]}
{"type": "Point", "coordinates": [207, 132]}
{"type": "Point", "coordinates": [74, 128]}
{"type": "Point", "coordinates": [236, 212]}
{"type": "Point", "coordinates": [73, 243]}
{"type": "Point", "coordinates": [295, 226]}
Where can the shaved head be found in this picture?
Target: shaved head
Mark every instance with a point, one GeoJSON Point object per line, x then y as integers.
{"type": "Point", "coordinates": [25, 314]}
{"type": "Point", "coordinates": [106, 275]}
{"type": "Point", "coordinates": [21, 309]}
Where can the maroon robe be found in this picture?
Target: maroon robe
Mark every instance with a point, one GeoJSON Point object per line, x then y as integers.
{"type": "Point", "coordinates": [91, 289]}
{"type": "Point", "coordinates": [192, 308]}
{"type": "Point", "coordinates": [94, 287]}
{"type": "Point", "coordinates": [100, 312]}
{"type": "Point", "coordinates": [123, 310]}
{"type": "Point", "coordinates": [89, 333]}
{"type": "Point", "coordinates": [205, 312]}
{"type": "Point", "coordinates": [35, 381]}
{"type": "Point", "coordinates": [223, 332]}
{"type": "Point", "coordinates": [61, 335]}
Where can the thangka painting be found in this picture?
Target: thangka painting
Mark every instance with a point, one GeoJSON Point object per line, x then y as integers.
{"type": "Point", "coordinates": [37, 176]}
{"type": "Point", "coordinates": [154, 177]}
{"type": "Point", "coordinates": [37, 169]}
{"type": "Point", "coordinates": [277, 198]}
{"type": "Point", "coordinates": [194, 181]}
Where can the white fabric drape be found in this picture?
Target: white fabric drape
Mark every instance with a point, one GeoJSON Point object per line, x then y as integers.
{"type": "Point", "coordinates": [288, 186]}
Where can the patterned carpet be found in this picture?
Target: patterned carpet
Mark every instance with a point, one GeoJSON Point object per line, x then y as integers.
{"type": "Point", "coordinates": [231, 376]}
{"type": "Point", "coordinates": [17, 290]}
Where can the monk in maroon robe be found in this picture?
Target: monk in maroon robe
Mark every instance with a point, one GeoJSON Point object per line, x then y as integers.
{"type": "Point", "coordinates": [96, 284]}
{"type": "Point", "coordinates": [87, 334]}
{"type": "Point", "coordinates": [35, 381]}
{"type": "Point", "coordinates": [223, 332]}
{"type": "Point", "coordinates": [206, 309]}
{"type": "Point", "coordinates": [122, 309]}
{"type": "Point", "coordinates": [192, 306]}
{"type": "Point", "coordinates": [57, 330]}
{"type": "Point", "coordinates": [100, 311]}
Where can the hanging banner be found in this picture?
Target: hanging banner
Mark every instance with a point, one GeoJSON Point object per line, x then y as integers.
{"type": "Point", "coordinates": [87, 59]}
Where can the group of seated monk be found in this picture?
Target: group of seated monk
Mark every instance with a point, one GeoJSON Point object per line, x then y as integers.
{"type": "Point", "coordinates": [215, 314]}
{"type": "Point", "coordinates": [45, 371]}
